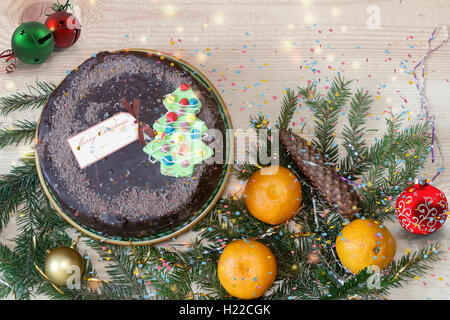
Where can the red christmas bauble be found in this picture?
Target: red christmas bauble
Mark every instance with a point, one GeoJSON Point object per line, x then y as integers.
{"type": "Point", "coordinates": [421, 209]}
{"type": "Point", "coordinates": [65, 28]}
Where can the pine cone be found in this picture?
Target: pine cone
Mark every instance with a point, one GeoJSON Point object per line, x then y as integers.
{"type": "Point", "coordinates": [322, 175]}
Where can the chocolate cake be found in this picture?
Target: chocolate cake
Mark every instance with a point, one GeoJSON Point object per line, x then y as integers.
{"type": "Point", "coordinates": [124, 194]}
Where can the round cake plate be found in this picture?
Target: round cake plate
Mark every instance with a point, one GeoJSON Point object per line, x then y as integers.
{"type": "Point", "coordinates": [202, 211]}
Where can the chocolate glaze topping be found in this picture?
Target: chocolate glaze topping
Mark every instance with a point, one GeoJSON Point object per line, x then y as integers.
{"type": "Point", "coordinates": [123, 194]}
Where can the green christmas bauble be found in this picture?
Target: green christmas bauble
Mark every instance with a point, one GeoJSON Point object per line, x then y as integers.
{"type": "Point", "coordinates": [32, 43]}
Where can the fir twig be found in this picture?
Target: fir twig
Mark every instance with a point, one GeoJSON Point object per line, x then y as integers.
{"type": "Point", "coordinates": [354, 135]}
{"type": "Point", "coordinates": [35, 97]}
{"type": "Point", "coordinates": [22, 132]}
{"type": "Point", "coordinates": [122, 270]}
{"type": "Point", "coordinates": [9, 271]}
{"type": "Point", "coordinates": [244, 171]}
{"type": "Point", "coordinates": [411, 265]}
{"type": "Point", "coordinates": [392, 164]}
{"type": "Point", "coordinates": [13, 188]}
{"type": "Point", "coordinates": [288, 107]}
{"type": "Point", "coordinates": [368, 284]}
{"type": "Point", "coordinates": [326, 111]}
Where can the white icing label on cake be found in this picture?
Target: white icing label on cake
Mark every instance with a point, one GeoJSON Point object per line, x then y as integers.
{"type": "Point", "coordinates": [103, 139]}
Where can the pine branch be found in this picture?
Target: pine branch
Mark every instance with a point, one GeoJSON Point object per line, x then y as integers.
{"type": "Point", "coordinates": [9, 271]}
{"type": "Point", "coordinates": [230, 221]}
{"type": "Point", "coordinates": [13, 187]}
{"type": "Point", "coordinates": [30, 243]}
{"type": "Point", "coordinates": [290, 102]}
{"type": "Point", "coordinates": [353, 286]}
{"type": "Point", "coordinates": [259, 122]}
{"type": "Point", "coordinates": [21, 193]}
{"type": "Point", "coordinates": [22, 132]}
{"type": "Point", "coordinates": [409, 266]}
{"type": "Point", "coordinates": [326, 111]}
{"type": "Point", "coordinates": [34, 98]}
{"type": "Point", "coordinates": [121, 269]}
{"type": "Point", "coordinates": [244, 171]}
{"type": "Point", "coordinates": [354, 135]}
{"type": "Point", "coordinates": [123, 273]}
{"type": "Point", "coordinates": [171, 280]}
{"type": "Point", "coordinates": [392, 164]}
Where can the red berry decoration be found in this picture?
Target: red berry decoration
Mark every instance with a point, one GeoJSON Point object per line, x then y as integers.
{"type": "Point", "coordinates": [184, 87]}
{"type": "Point", "coordinates": [184, 102]}
{"type": "Point", "coordinates": [65, 28]}
{"type": "Point", "coordinates": [421, 209]}
{"type": "Point", "coordinates": [171, 117]}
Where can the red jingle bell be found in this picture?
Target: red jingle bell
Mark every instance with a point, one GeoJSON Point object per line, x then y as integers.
{"type": "Point", "coordinates": [421, 209]}
{"type": "Point", "coordinates": [65, 28]}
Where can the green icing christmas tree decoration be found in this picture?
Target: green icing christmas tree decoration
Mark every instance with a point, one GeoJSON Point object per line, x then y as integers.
{"type": "Point", "coordinates": [178, 144]}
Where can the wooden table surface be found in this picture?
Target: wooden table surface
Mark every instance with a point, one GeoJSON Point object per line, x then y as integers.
{"type": "Point", "coordinates": [252, 50]}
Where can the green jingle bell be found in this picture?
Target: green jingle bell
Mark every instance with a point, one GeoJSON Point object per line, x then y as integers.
{"type": "Point", "coordinates": [32, 43]}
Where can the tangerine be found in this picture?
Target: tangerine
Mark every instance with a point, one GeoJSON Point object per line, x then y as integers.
{"type": "Point", "coordinates": [273, 194]}
{"type": "Point", "coordinates": [363, 243]}
{"type": "Point", "coordinates": [246, 269]}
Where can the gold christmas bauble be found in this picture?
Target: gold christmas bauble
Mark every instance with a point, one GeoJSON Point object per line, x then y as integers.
{"type": "Point", "coordinates": [62, 263]}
